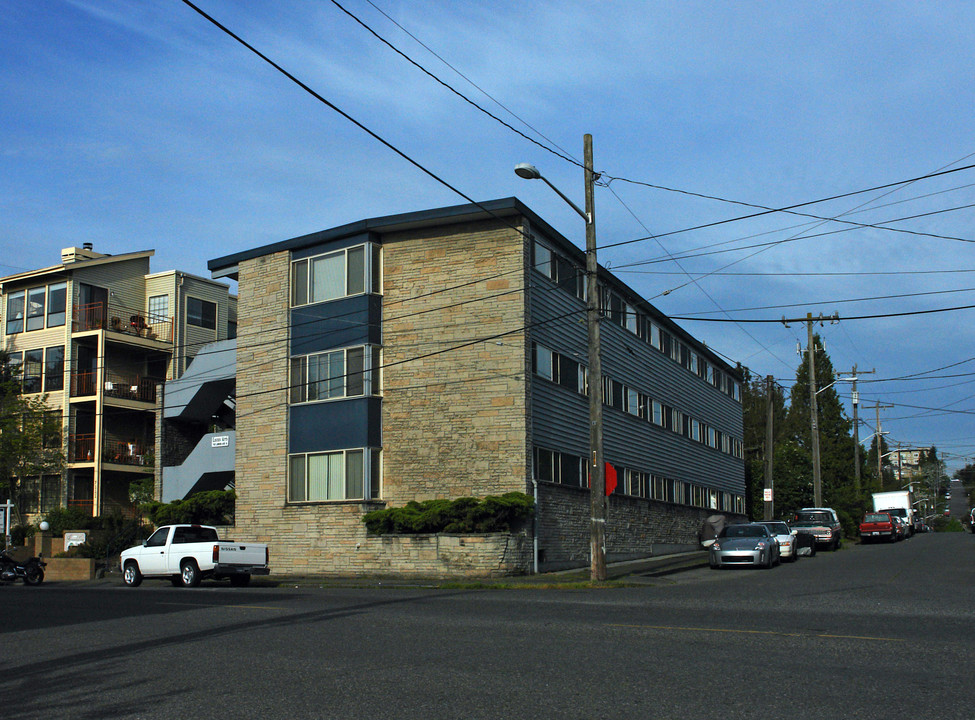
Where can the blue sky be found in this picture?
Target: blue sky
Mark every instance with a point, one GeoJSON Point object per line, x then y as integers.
{"type": "Point", "coordinates": [140, 125]}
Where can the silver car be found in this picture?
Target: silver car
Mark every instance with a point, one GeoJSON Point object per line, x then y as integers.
{"type": "Point", "coordinates": [751, 544]}
{"type": "Point", "coordinates": [786, 537]}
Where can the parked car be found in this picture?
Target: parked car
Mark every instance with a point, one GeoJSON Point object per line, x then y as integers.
{"type": "Point", "coordinates": [788, 546]}
{"type": "Point", "coordinates": [823, 523]}
{"type": "Point", "coordinates": [744, 544]}
{"type": "Point", "coordinates": [878, 526]}
{"type": "Point", "coordinates": [185, 554]}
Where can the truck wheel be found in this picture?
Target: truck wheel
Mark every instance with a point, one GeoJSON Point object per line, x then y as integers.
{"type": "Point", "coordinates": [189, 573]}
{"type": "Point", "coordinates": [34, 575]}
{"type": "Point", "coordinates": [131, 575]}
{"type": "Point", "coordinates": [240, 580]}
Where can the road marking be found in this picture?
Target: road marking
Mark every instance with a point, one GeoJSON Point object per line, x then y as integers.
{"type": "Point", "coordinates": [761, 632]}
{"type": "Point", "coordinates": [208, 605]}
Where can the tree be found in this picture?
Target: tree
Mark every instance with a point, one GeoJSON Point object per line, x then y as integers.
{"type": "Point", "coordinates": [30, 437]}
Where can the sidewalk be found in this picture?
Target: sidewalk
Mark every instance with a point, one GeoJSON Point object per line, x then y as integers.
{"type": "Point", "coordinates": [630, 572]}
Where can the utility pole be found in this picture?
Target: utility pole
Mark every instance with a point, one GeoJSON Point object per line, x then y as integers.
{"type": "Point", "coordinates": [597, 475]}
{"type": "Point", "coordinates": [769, 449]}
{"type": "Point", "coordinates": [880, 454]}
{"type": "Point", "coordinates": [814, 416]}
{"type": "Point", "coordinates": [856, 430]}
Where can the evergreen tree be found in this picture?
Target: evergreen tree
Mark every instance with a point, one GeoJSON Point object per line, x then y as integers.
{"type": "Point", "coordinates": [835, 442]}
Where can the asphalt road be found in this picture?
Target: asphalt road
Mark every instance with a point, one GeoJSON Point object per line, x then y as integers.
{"type": "Point", "coordinates": [866, 632]}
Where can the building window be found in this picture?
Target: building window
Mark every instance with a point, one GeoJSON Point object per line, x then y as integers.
{"type": "Point", "coordinates": [340, 475]}
{"type": "Point", "coordinates": [201, 313]}
{"type": "Point", "coordinates": [54, 368]}
{"type": "Point", "coordinates": [231, 330]}
{"type": "Point", "coordinates": [562, 468]}
{"type": "Point", "coordinates": [566, 275]}
{"type": "Point", "coordinates": [51, 430]}
{"type": "Point", "coordinates": [349, 372]}
{"type": "Point", "coordinates": [56, 301]}
{"type": "Point", "coordinates": [15, 312]}
{"type": "Point", "coordinates": [35, 308]}
{"type": "Point", "coordinates": [33, 370]}
{"type": "Point", "coordinates": [338, 274]}
{"type": "Point", "coordinates": [159, 309]}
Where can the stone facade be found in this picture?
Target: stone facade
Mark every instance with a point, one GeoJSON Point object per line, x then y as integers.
{"type": "Point", "coordinates": [635, 527]}
{"type": "Point", "coordinates": [454, 416]}
{"type": "Point", "coordinates": [454, 424]}
{"type": "Point", "coordinates": [262, 406]}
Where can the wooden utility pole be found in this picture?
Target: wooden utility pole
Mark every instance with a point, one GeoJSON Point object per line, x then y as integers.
{"type": "Point", "coordinates": [769, 449]}
{"type": "Point", "coordinates": [597, 473]}
{"type": "Point", "coordinates": [814, 416]}
{"type": "Point", "coordinates": [856, 430]}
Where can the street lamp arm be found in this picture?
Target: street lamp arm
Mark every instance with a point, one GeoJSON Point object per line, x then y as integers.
{"type": "Point", "coordinates": [530, 172]}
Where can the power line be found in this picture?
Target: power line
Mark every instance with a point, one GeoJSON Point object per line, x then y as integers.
{"type": "Point", "coordinates": [845, 318]}
{"type": "Point", "coordinates": [791, 207]}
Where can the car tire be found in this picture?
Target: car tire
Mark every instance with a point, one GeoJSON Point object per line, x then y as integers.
{"type": "Point", "coordinates": [131, 575]}
{"type": "Point", "coordinates": [189, 573]}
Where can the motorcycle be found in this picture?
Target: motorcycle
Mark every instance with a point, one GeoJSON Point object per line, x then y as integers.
{"type": "Point", "coordinates": [30, 571]}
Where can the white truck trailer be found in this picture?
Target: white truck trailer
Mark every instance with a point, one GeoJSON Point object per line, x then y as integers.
{"type": "Point", "coordinates": [897, 502]}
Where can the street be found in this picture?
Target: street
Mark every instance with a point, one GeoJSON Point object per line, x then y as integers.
{"type": "Point", "coordinates": [868, 631]}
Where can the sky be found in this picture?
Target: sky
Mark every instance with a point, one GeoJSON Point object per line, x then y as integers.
{"type": "Point", "coordinates": [141, 125]}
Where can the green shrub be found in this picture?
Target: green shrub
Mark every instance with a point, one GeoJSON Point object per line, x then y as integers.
{"type": "Point", "coordinates": [72, 518]}
{"type": "Point", "coordinates": [214, 507]}
{"type": "Point", "coordinates": [464, 515]}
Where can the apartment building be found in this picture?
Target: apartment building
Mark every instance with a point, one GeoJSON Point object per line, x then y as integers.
{"type": "Point", "coordinates": [96, 333]}
{"type": "Point", "coordinates": [442, 354]}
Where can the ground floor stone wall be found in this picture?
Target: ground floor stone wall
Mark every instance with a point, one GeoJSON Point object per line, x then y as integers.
{"type": "Point", "coordinates": [331, 540]}
{"type": "Point", "coordinates": [635, 527]}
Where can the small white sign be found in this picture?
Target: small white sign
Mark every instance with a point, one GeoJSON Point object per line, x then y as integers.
{"type": "Point", "coordinates": [74, 538]}
{"type": "Point", "coordinates": [220, 441]}
{"type": "Point", "coordinates": [768, 494]}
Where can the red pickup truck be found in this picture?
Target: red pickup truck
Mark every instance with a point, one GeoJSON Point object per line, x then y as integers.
{"type": "Point", "coordinates": [877, 526]}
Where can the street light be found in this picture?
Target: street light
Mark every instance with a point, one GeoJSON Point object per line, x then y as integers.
{"type": "Point", "coordinates": [597, 476]}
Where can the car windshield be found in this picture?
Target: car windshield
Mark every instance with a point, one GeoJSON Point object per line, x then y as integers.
{"type": "Point", "coordinates": [877, 517]}
{"type": "Point", "coordinates": [818, 517]}
{"type": "Point", "coordinates": [779, 528]}
{"type": "Point", "coordinates": [733, 531]}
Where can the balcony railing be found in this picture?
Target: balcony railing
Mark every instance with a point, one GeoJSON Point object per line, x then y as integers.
{"type": "Point", "coordinates": [81, 448]}
{"type": "Point", "coordinates": [134, 452]}
{"type": "Point", "coordinates": [122, 320]}
{"type": "Point", "coordinates": [131, 452]}
{"type": "Point", "coordinates": [86, 506]}
{"type": "Point", "coordinates": [130, 387]}
{"type": "Point", "coordinates": [117, 385]}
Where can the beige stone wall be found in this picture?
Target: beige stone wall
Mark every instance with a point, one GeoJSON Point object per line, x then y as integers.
{"type": "Point", "coordinates": [454, 420]}
{"type": "Point", "coordinates": [262, 401]}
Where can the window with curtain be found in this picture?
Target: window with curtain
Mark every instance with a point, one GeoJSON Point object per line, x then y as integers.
{"type": "Point", "coordinates": [35, 308]}
{"type": "Point", "coordinates": [349, 372]}
{"type": "Point", "coordinates": [338, 475]}
{"type": "Point", "coordinates": [334, 275]}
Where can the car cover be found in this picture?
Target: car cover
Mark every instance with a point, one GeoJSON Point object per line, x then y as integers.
{"type": "Point", "coordinates": [711, 527]}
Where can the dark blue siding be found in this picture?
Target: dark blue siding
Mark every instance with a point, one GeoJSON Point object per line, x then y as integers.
{"type": "Point", "coordinates": [339, 323]}
{"type": "Point", "coordinates": [336, 425]}
{"type": "Point", "coordinates": [560, 417]}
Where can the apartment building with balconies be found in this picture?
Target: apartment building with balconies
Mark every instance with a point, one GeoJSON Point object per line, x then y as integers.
{"type": "Point", "coordinates": [96, 334]}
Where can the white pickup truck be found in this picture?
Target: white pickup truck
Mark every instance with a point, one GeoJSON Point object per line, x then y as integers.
{"type": "Point", "coordinates": [188, 553]}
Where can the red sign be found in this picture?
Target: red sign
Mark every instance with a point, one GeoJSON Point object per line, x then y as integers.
{"type": "Point", "coordinates": [610, 479]}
